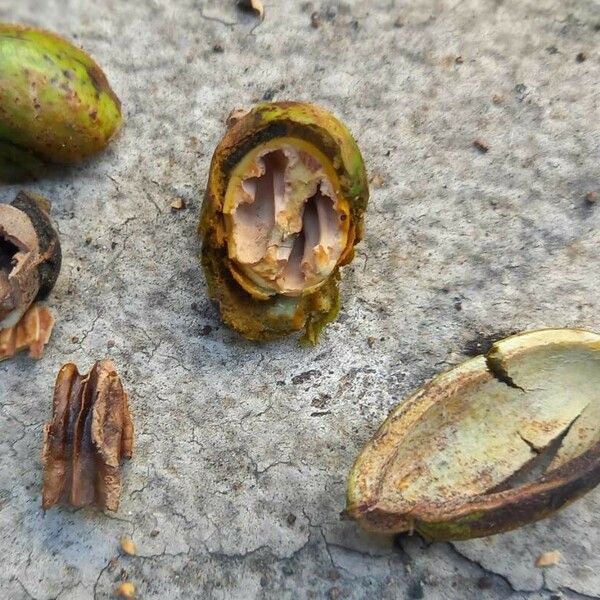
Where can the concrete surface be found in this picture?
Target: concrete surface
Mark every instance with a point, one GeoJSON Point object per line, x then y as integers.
{"type": "Point", "coordinates": [242, 449]}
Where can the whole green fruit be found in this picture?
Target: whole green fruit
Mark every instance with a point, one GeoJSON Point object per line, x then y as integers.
{"type": "Point", "coordinates": [55, 102]}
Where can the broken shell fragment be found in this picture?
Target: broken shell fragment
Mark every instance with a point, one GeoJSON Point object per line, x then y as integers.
{"type": "Point", "coordinates": [282, 213]}
{"type": "Point", "coordinates": [90, 432]}
{"type": "Point", "coordinates": [55, 102]}
{"type": "Point", "coordinates": [30, 256]}
{"type": "Point", "coordinates": [495, 443]}
{"type": "Point", "coordinates": [31, 333]}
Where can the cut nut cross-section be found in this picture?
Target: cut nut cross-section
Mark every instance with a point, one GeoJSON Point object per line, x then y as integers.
{"type": "Point", "coordinates": [287, 227]}
{"type": "Point", "coordinates": [90, 432]}
{"type": "Point", "coordinates": [282, 213]}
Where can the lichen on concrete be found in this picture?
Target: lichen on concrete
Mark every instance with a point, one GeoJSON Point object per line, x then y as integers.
{"type": "Point", "coordinates": [243, 449]}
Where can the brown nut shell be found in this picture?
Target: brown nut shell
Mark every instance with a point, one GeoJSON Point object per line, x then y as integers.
{"type": "Point", "coordinates": [30, 255]}
{"type": "Point", "coordinates": [90, 432]}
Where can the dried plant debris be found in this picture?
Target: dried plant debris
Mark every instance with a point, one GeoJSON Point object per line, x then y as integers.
{"type": "Point", "coordinates": [482, 146]}
{"type": "Point", "coordinates": [377, 180]}
{"type": "Point", "coordinates": [254, 6]}
{"type": "Point", "coordinates": [283, 210]}
{"type": "Point", "coordinates": [30, 256]}
{"type": "Point", "coordinates": [90, 432]}
{"type": "Point", "coordinates": [499, 441]}
{"type": "Point", "coordinates": [31, 333]}
{"type": "Point", "coordinates": [55, 101]}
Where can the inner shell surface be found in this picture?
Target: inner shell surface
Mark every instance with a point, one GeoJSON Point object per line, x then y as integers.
{"type": "Point", "coordinates": [287, 228]}
{"type": "Point", "coordinates": [473, 441]}
{"type": "Point", "coordinates": [19, 282]}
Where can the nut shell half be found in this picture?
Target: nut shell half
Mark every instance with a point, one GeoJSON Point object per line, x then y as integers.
{"type": "Point", "coordinates": [30, 255]}
{"type": "Point", "coordinates": [499, 441]}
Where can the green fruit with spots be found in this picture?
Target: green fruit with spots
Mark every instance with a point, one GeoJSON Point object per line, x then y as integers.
{"type": "Point", "coordinates": [56, 104]}
{"type": "Point", "coordinates": [283, 210]}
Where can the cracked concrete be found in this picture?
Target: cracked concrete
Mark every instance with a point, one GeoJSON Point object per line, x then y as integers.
{"type": "Point", "coordinates": [243, 450]}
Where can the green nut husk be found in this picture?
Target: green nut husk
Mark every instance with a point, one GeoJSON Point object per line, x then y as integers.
{"type": "Point", "coordinates": [259, 307]}
{"type": "Point", "coordinates": [55, 103]}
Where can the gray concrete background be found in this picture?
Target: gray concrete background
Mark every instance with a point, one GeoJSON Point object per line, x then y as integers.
{"type": "Point", "coordinates": [243, 449]}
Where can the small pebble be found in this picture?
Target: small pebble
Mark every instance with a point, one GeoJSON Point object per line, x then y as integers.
{"type": "Point", "coordinates": [548, 559]}
{"type": "Point", "coordinates": [126, 590]}
{"type": "Point", "coordinates": [377, 180]}
{"type": "Point", "coordinates": [128, 546]}
{"type": "Point", "coordinates": [177, 204]}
